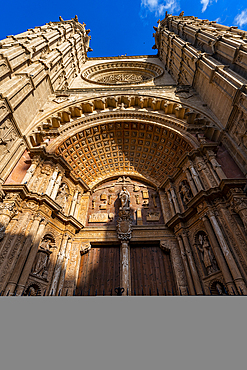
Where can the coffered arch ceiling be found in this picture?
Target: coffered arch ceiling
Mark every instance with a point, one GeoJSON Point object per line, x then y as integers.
{"type": "Point", "coordinates": [131, 148]}
{"type": "Point", "coordinates": [136, 136]}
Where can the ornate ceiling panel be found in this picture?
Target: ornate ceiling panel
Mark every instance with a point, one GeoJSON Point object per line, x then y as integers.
{"type": "Point", "coordinates": [130, 148]}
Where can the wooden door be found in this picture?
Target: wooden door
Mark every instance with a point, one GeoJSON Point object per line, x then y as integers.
{"type": "Point", "coordinates": [99, 272]}
{"type": "Point", "coordinates": [151, 271]}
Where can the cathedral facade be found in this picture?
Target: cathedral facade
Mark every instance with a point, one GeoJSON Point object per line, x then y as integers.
{"type": "Point", "coordinates": [124, 175]}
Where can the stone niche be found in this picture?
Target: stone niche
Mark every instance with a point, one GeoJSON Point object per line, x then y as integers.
{"type": "Point", "coordinates": [144, 203]}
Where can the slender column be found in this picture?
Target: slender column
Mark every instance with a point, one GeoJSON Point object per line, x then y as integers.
{"type": "Point", "coordinates": [125, 267]}
{"type": "Point", "coordinates": [73, 204]}
{"type": "Point", "coordinates": [186, 266]}
{"type": "Point", "coordinates": [23, 255]}
{"type": "Point", "coordinates": [30, 171]}
{"type": "Point", "coordinates": [219, 256]}
{"type": "Point", "coordinates": [216, 166]}
{"type": "Point", "coordinates": [175, 201]}
{"type": "Point", "coordinates": [31, 256]}
{"type": "Point", "coordinates": [233, 227]}
{"type": "Point", "coordinates": [171, 203]}
{"type": "Point", "coordinates": [228, 255]}
{"type": "Point", "coordinates": [51, 182]}
{"type": "Point", "coordinates": [63, 272]}
{"type": "Point", "coordinates": [77, 208]}
{"type": "Point", "coordinates": [191, 182]}
{"type": "Point", "coordinates": [192, 265]}
{"type": "Point", "coordinates": [56, 186]}
{"type": "Point", "coordinates": [195, 177]}
{"type": "Point", "coordinates": [58, 266]}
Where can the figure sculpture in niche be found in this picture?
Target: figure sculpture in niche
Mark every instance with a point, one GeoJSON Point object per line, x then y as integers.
{"type": "Point", "coordinates": [124, 198]}
{"type": "Point", "coordinates": [219, 289]}
{"type": "Point", "coordinates": [40, 267]}
{"type": "Point", "coordinates": [185, 192]}
{"type": "Point", "coordinates": [207, 256]}
{"type": "Point", "coordinates": [62, 196]}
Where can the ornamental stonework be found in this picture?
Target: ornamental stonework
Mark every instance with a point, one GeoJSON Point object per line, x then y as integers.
{"type": "Point", "coordinates": [122, 73]}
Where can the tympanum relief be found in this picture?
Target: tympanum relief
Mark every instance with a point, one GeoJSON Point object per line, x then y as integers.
{"type": "Point", "coordinates": [106, 200]}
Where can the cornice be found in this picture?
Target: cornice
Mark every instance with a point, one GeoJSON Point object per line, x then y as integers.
{"type": "Point", "coordinates": [43, 199]}
{"type": "Point", "coordinates": [208, 196]}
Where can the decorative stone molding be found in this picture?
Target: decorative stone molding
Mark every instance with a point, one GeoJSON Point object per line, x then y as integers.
{"type": "Point", "coordinates": [122, 73]}
{"type": "Point", "coordinates": [85, 248]}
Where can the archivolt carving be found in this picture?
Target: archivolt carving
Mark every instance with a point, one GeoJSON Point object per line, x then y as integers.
{"type": "Point", "coordinates": [162, 111]}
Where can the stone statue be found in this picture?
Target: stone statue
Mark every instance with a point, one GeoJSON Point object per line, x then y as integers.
{"type": "Point", "coordinates": [31, 291]}
{"type": "Point", "coordinates": [219, 289]}
{"type": "Point", "coordinates": [185, 192]}
{"type": "Point", "coordinates": [124, 198]}
{"type": "Point", "coordinates": [207, 256]}
{"type": "Point", "coordinates": [41, 263]}
{"type": "Point", "coordinates": [62, 195]}
{"type": "Point", "coordinates": [42, 258]}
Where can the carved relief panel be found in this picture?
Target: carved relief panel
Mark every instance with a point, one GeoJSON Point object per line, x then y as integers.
{"type": "Point", "coordinates": [144, 203]}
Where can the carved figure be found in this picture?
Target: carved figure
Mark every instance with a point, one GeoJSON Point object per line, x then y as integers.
{"type": "Point", "coordinates": [124, 198]}
{"type": "Point", "coordinates": [40, 264]}
{"type": "Point", "coordinates": [31, 291]}
{"type": "Point", "coordinates": [206, 254]}
{"type": "Point", "coordinates": [137, 196]}
{"type": "Point", "coordinates": [185, 192]}
{"type": "Point", "coordinates": [42, 258]}
{"type": "Point", "coordinates": [62, 195]}
{"type": "Point", "coordinates": [219, 289]}
{"type": "Point", "coordinates": [46, 243]}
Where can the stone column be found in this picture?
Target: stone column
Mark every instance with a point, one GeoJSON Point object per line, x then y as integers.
{"type": "Point", "coordinates": [56, 186]}
{"type": "Point", "coordinates": [51, 182]}
{"type": "Point", "coordinates": [219, 256]}
{"type": "Point", "coordinates": [65, 263]}
{"type": "Point", "coordinates": [174, 199]}
{"type": "Point", "coordinates": [58, 267]}
{"type": "Point", "coordinates": [30, 171]}
{"type": "Point", "coordinates": [23, 255]}
{"type": "Point", "coordinates": [231, 223]}
{"type": "Point", "coordinates": [73, 204]}
{"type": "Point", "coordinates": [192, 265]}
{"type": "Point", "coordinates": [239, 204]}
{"type": "Point", "coordinates": [195, 177]}
{"type": "Point", "coordinates": [228, 255]}
{"type": "Point", "coordinates": [216, 166]}
{"type": "Point", "coordinates": [171, 203]}
{"type": "Point", "coordinates": [190, 180]}
{"type": "Point", "coordinates": [125, 267]}
{"type": "Point", "coordinates": [31, 257]}
{"type": "Point", "coordinates": [186, 266]}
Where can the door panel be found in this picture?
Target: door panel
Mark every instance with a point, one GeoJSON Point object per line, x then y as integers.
{"type": "Point", "coordinates": [99, 272]}
{"type": "Point", "coordinates": [151, 271]}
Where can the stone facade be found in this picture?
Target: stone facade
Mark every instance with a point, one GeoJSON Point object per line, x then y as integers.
{"type": "Point", "coordinates": [124, 150]}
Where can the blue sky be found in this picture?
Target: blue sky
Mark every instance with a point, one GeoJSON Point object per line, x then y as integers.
{"type": "Point", "coordinates": [117, 27]}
